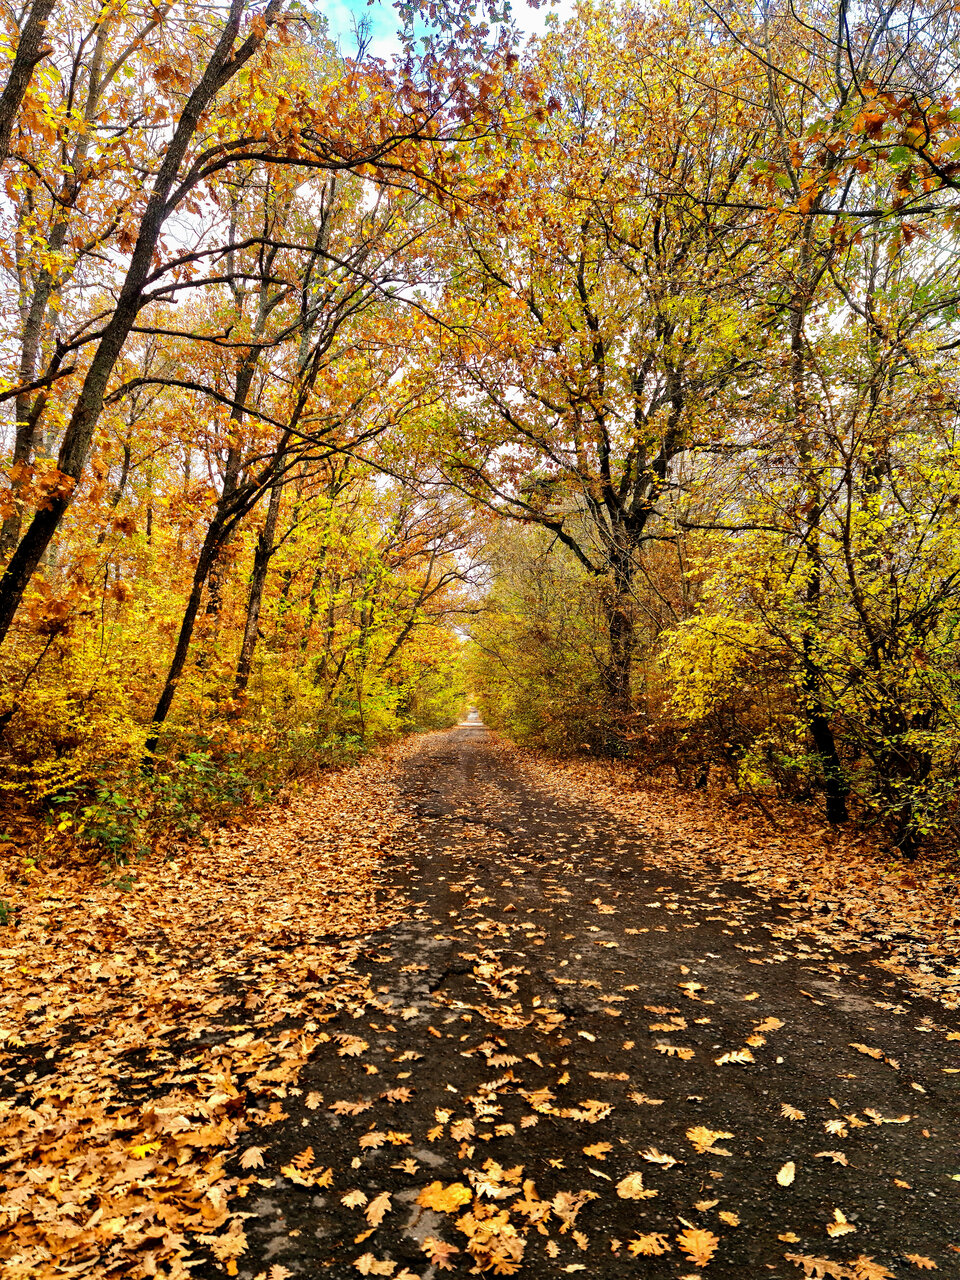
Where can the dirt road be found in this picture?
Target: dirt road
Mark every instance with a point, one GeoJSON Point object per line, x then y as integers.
{"type": "Point", "coordinates": [578, 1064]}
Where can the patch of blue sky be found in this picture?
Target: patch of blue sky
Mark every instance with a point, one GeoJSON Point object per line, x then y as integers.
{"type": "Point", "coordinates": [381, 21]}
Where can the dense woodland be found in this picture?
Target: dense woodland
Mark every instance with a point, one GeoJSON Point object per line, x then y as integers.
{"type": "Point", "coordinates": [610, 376]}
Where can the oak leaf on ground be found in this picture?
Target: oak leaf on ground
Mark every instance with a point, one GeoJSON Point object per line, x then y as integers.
{"type": "Point", "coordinates": [698, 1245]}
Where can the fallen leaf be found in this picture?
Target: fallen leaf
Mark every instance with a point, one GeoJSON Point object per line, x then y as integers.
{"type": "Point", "coordinates": [368, 1265]}
{"type": "Point", "coordinates": [649, 1246]}
{"type": "Point", "coordinates": [787, 1173]}
{"type": "Point", "coordinates": [445, 1199]}
{"type": "Point", "coordinates": [439, 1252]}
{"type": "Point", "coordinates": [378, 1207]}
{"type": "Point", "coordinates": [698, 1245]}
{"type": "Point", "coordinates": [658, 1157]}
{"type": "Point", "coordinates": [839, 1226]}
{"type": "Point", "coordinates": [674, 1050]}
{"type": "Point", "coordinates": [739, 1056]}
{"type": "Point", "coordinates": [865, 1268]}
{"type": "Point", "coordinates": [863, 1048]}
{"type": "Point", "coordinates": [702, 1140]}
{"type": "Point", "coordinates": [631, 1188]}
{"type": "Point", "coordinates": [820, 1268]}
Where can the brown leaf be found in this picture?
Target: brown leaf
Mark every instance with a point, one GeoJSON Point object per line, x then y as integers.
{"type": "Point", "coordinates": [820, 1268]}
{"type": "Point", "coordinates": [377, 1208]}
{"type": "Point", "coordinates": [252, 1158]}
{"type": "Point", "coordinates": [351, 1046]}
{"type": "Point", "coordinates": [439, 1252]}
{"type": "Point", "coordinates": [865, 1268]}
{"type": "Point", "coordinates": [344, 1108]}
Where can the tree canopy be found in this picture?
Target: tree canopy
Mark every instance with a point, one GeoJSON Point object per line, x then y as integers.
{"type": "Point", "coordinates": [609, 377]}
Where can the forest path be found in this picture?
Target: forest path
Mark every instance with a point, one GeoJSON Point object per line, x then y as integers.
{"type": "Point", "coordinates": [549, 992]}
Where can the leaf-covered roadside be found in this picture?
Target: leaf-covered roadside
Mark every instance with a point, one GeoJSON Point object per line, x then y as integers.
{"type": "Point", "coordinates": [579, 1063]}
{"type": "Point", "coordinates": [144, 1030]}
{"type": "Point", "coordinates": [854, 895]}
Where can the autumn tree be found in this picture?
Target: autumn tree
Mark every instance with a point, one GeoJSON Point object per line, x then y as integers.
{"type": "Point", "coordinates": [201, 116]}
{"type": "Point", "coordinates": [593, 297]}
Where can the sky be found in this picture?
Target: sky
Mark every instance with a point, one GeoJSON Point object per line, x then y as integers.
{"type": "Point", "coordinates": [342, 16]}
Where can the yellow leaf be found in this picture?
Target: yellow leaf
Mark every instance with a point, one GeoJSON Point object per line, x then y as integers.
{"type": "Point", "coordinates": [445, 1199]}
{"type": "Point", "coordinates": [839, 1226]}
{"type": "Point", "coordinates": [659, 1157]}
{"type": "Point", "coordinates": [787, 1174]}
{"type": "Point", "coordinates": [631, 1188]}
{"type": "Point", "coordinates": [699, 1246]}
{"type": "Point", "coordinates": [649, 1246]}
{"type": "Point", "coordinates": [740, 1056]}
{"type": "Point", "coordinates": [702, 1140]}
{"type": "Point", "coordinates": [674, 1050]}
{"type": "Point", "coordinates": [870, 1053]}
{"type": "Point", "coordinates": [368, 1265]}
{"type": "Point", "coordinates": [144, 1149]}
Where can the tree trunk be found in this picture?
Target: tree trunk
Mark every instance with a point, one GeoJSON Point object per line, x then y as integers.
{"type": "Point", "coordinates": [835, 787]}
{"type": "Point", "coordinates": [224, 63]}
{"type": "Point", "coordinates": [258, 578]}
{"type": "Point", "coordinates": [212, 543]}
{"type": "Point", "coordinates": [31, 49]}
{"type": "Point", "coordinates": [620, 638]}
